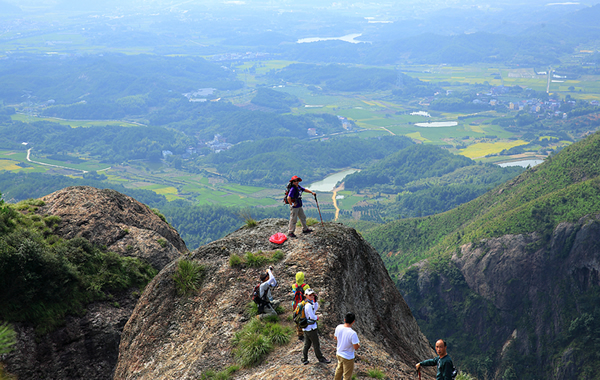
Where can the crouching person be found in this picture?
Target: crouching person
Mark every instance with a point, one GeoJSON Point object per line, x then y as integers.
{"type": "Point", "coordinates": [266, 304]}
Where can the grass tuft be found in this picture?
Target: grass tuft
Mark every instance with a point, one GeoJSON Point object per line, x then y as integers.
{"type": "Point", "coordinates": [376, 373]}
{"type": "Point", "coordinates": [225, 374]}
{"type": "Point", "coordinates": [255, 260]}
{"type": "Point", "coordinates": [188, 277]}
{"type": "Point", "coordinates": [248, 219]}
{"type": "Point", "coordinates": [257, 339]}
{"type": "Point", "coordinates": [7, 338]}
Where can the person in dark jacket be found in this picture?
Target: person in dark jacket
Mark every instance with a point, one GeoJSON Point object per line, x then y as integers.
{"type": "Point", "coordinates": [445, 367]}
{"type": "Point", "coordinates": [294, 198]}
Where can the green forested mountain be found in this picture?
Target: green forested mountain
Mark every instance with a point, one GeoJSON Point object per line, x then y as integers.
{"type": "Point", "coordinates": [121, 80]}
{"type": "Point", "coordinates": [427, 180]}
{"type": "Point", "coordinates": [112, 144]}
{"type": "Point", "coordinates": [277, 100]}
{"type": "Point", "coordinates": [562, 189]}
{"type": "Point", "coordinates": [269, 161]}
{"type": "Point", "coordinates": [512, 268]}
{"type": "Point", "coordinates": [335, 77]}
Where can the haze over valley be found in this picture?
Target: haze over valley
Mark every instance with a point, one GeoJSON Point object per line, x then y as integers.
{"type": "Point", "coordinates": [399, 113]}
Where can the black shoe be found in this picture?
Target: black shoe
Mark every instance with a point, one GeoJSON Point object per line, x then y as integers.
{"type": "Point", "coordinates": [307, 231]}
{"type": "Point", "coordinates": [324, 360]}
{"type": "Point", "coordinates": [305, 361]}
{"type": "Point", "coordinates": [291, 234]}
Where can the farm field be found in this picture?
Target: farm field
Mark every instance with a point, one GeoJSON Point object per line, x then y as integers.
{"type": "Point", "coordinates": [73, 123]}
{"type": "Point", "coordinates": [374, 113]}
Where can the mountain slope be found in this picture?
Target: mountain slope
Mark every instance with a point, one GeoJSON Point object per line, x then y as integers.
{"type": "Point", "coordinates": [511, 271]}
{"type": "Point", "coordinates": [67, 295]}
{"type": "Point", "coordinates": [171, 336]}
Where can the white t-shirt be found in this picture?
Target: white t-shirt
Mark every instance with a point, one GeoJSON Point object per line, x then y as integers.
{"type": "Point", "coordinates": [346, 339]}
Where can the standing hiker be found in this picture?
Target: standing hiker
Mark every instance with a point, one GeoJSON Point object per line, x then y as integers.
{"type": "Point", "coordinates": [266, 305]}
{"type": "Point", "coordinates": [445, 367]}
{"type": "Point", "coordinates": [347, 343]}
{"type": "Point", "coordinates": [298, 289]}
{"type": "Point", "coordinates": [311, 334]}
{"type": "Point", "coordinates": [294, 199]}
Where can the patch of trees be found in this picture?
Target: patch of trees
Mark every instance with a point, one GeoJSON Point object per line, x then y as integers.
{"type": "Point", "coordinates": [277, 100]}
{"type": "Point", "coordinates": [336, 77]}
{"type": "Point", "coordinates": [112, 144]}
{"type": "Point", "coordinates": [236, 124]}
{"type": "Point", "coordinates": [275, 160]}
{"type": "Point", "coordinates": [456, 104]}
{"type": "Point", "coordinates": [409, 164]}
{"type": "Point", "coordinates": [427, 180]}
{"type": "Point", "coordinates": [108, 78]}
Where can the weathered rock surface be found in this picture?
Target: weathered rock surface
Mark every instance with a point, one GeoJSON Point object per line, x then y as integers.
{"type": "Point", "coordinates": [86, 347]}
{"type": "Point", "coordinates": [117, 221]}
{"type": "Point", "coordinates": [172, 337]}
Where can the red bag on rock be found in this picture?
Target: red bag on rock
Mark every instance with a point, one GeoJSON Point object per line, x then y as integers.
{"type": "Point", "coordinates": [278, 238]}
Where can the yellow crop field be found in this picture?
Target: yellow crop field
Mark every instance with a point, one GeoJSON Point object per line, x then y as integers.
{"type": "Point", "coordinates": [9, 165]}
{"type": "Point", "coordinates": [476, 128]}
{"type": "Point", "coordinates": [483, 149]}
{"type": "Point", "coordinates": [417, 136]}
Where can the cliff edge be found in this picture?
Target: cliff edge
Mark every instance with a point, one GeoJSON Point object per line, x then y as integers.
{"type": "Point", "coordinates": [181, 337]}
{"type": "Point", "coordinates": [86, 346]}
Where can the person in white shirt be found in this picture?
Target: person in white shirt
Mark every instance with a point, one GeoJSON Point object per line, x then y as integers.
{"type": "Point", "coordinates": [311, 335]}
{"type": "Point", "coordinates": [347, 343]}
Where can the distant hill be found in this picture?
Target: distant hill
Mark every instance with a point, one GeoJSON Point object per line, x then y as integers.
{"type": "Point", "coordinates": [515, 268]}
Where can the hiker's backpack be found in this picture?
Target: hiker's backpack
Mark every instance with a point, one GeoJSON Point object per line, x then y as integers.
{"type": "Point", "coordinates": [300, 315]}
{"type": "Point", "coordinates": [256, 295]}
{"type": "Point", "coordinates": [298, 295]}
{"type": "Point", "coordinates": [287, 190]}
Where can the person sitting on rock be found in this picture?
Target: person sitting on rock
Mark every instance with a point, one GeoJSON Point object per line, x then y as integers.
{"type": "Point", "coordinates": [294, 199]}
{"type": "Point", "coordinates": [268, 305]}
{"type": "Point", "coordinates": [298, 289]}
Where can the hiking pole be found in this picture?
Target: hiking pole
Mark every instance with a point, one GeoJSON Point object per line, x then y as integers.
{"type": "Point", "coordinates": [419, 372]}
{"type": "Point", "coordinates": [318, 208]}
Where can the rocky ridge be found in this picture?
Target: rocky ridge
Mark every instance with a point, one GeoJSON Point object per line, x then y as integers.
{"type": "Point", "coordinates": [86, 347]}
{"type": "Point", "coordinates": [117, 221]}
{"type": "Point", "coordinates": [173, 337]}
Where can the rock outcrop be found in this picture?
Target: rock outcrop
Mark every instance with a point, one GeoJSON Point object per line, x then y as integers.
{"type": "Point", "coordinates": [173, 337]}
{"type": "Point", "coordinates": [86, 347]}
{"type": "Point", "coordinates": [520, 293]}
{"type": "Point", "coordinates": [117, 221]}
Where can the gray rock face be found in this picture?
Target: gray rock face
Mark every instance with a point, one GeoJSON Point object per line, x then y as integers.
{"type": "Point", "coordinates": [117, 221]}
{"type": "Point", "coordinates": [528, 284]}
{"type": "Point", "coordinates": [86, 347]}
{"type": "Point", "coordinates": [171, 337]}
